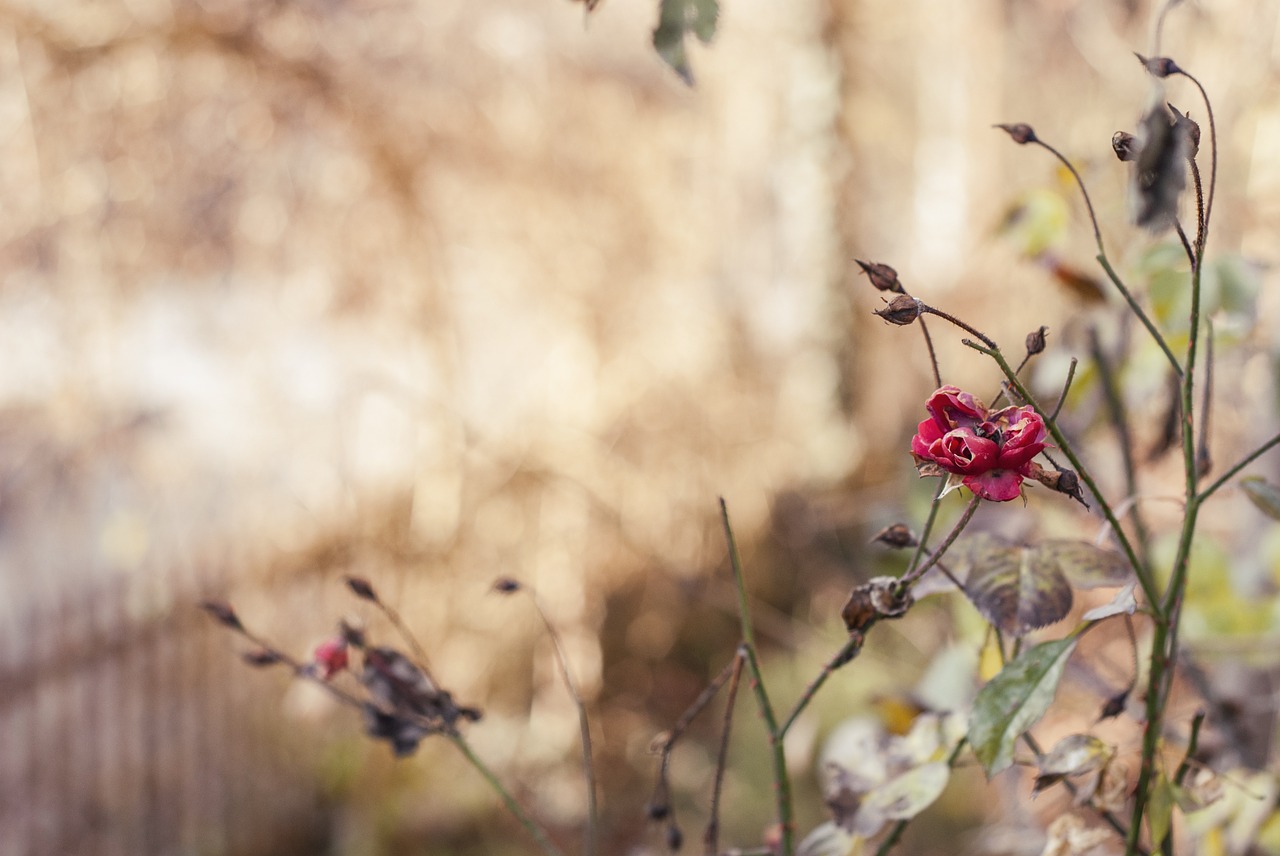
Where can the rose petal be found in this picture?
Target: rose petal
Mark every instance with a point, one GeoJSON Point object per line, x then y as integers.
{"type": "Point", "coordinates": [995, 485]}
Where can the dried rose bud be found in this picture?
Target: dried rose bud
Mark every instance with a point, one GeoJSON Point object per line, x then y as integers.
{"type": "Point", "coordinates": [362, 588]}
{"type": "Point", "coordinates": [1158, 66]}
{"type": "Point", "coordinates": [262, 657]}
{"type": "Point", "coordinates": [675, 838]}
{"type": "Point", "coordinates": [658, 811]}
{"type": "Point", "coordinates": [1184, 124]}
{"type": "Point", "coordinates": [897, 536]}
{"type": "Point", "coordinates": [1063, 481]}
{"type": "Point", "coordinates": [882, 276]}
{"type": "Point", "coordinates": [902, 310]}
{"type": "Point", "coordinates": [1125, 145]}
{"type": "Point", "coordinates": [1021, 133]}
{"type": "Point", "coordinates": [1114, 706]}
{"type": "Point", "coordinates": [506, 585]}
{"type": "Point", "coordinates": [330, 657]}
{"type": "Point", "coordinates": [353, 634]}
{"type": "Point", "coordinates": [1036, 341]}
{"type": "Point", "coordinates": [222, 613]}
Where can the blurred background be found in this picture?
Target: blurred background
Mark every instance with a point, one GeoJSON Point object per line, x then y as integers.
{"type": "Point", "coordinates": [433, 292]}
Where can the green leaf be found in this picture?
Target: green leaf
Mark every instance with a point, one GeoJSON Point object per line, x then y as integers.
{"type": "Point", "coordinates": [677, 18]}
{"type": "Point", "coordinates": [1160, 811]}
{"type": "Point", "coordinates": [1014, 700]}
{"type": "Point", "coordinates": [1018, 589]}
{"type": "Point", "coordinates": [1264, 495]}
{"type": "Point", "coordinates": [1087, 566]}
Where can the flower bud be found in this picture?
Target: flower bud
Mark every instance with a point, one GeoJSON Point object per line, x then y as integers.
{"type": "Point", "coordinates": [902, 310]}
{"type": "Point", "coordinates": [897, 536]}
{"type": "Point", "coordinates": [1158, 66]}
{"type": "Point", "coordinates": [1021, 133]}
{"type": "Point", "coordinates": [222, 613]}
{"type": "Point", "coordinates": [1184, 124]}
{"type": "Point", "coordinates": [1125, 145]}
{"type": "Point", "coordinates": [506, 585]}
{"type": "Point", "coordinates": [330, 657]}
{"type": "Point", "coordinates": [1036, 341]}
{"type": "Point", "coordinates": [882, 276]}
{"type": "Point", "coordinates": [261, 657]}
{"type": "Point", "coordinates": [362, 589]}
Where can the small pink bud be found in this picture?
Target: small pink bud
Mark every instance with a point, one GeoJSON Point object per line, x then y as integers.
{"type": "Point", "coordinates": [330, 657]}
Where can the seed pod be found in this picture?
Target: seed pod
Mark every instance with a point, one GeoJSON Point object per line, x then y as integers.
{"type": "Point", "coordinates": [902, 310]}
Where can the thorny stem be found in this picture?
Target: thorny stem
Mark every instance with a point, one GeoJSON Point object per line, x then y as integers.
{"type": "Point", "coordinates": [530, 825]}
{"type": "Point", "coordinates": [1193, 741]}
{"type": "Point", "coordinates": [1140, 570]}
{"type": "Point", "coordinates": [851, 647]}
{"type": "Point", "coordinates": [1199, 186]}
{"type": "Point", "coordinates": [1203, 237]}
{"type": "Point", "coordinates": [712, 836]}
{"type": "Point", "coordinates": [1243, 462]}
{"type": "Point", "coordinates": [1116, 414]}
{"type": "Point", "coordinates": [781, 779]}
{"type": "Point", "coordinates": [1106, 264]}
{"type": "Point", "coordinates": [1186, 244]}
{"type": "Point", "coordinates": [933, 356]}
{"type": "Point", "coordinates": [1066, 387]}
{"type": "Point", "coordinates": [909, 579]}
{"type": "Point", "coordinates": [1204, 463]}
{"type": "Point", "coordinates": [956, 321]}
{"type": "Point", "coordinates": [584, 726]}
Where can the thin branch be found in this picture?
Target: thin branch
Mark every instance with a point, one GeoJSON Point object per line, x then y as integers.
{"type": "Point", "coordinates": [712, 836]}
{"type": "Point", "coordinates": [584, 725]}
{"type": "Point", "coordinates": [1116, 414]}
{"type": "Point", "coordinates": [1066, 387]}
{"type": "Point", "coordinates": [1213, 163]}
{"type": "Point", "coordinates": [781, 779]}
{"type": "Point", "coordinates": [1204, 462]}
{"type": "Point", "coordinates": [956, 321]}
{"type": "Point", "coordinates": [531, 826]}
{"type": "Point", "coordinates": [1237, 467]}
{"type": "Point", "coordinates": [933, 356]}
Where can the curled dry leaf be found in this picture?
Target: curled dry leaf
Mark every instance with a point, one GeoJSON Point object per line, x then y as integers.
{"type": "Point", "coordinates": [1264, 495]}
{"type": "Point", "coordinates": [1074, 755]}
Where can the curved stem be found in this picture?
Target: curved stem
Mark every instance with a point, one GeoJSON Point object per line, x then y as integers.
{"type": "Point", "coordinates": [956, 321]}
{"type": "Point", "coordinates": [1140, 570]}
{"type": "Point", "coordinates": [1213, 163]}
{"type": "Point", "coordinates": [531, 826]}
{"type": "Point", "coordinates": [1140, 314]}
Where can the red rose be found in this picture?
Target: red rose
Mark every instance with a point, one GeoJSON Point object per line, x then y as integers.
{"type": "Point", "coordinates": [993, 451]}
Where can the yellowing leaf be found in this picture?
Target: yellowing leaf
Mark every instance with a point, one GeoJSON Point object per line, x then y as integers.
{"type": "Point", "coordinates": [1262, 494]}
{"type": "Point", "coordinates": [1073, 755]}
{"type": "Point", "coordinates": [828, 839]}
{"type": "Point", "coordinates": [1160, 811]}
{"type": "Point", "coordinates": [1014, 700]}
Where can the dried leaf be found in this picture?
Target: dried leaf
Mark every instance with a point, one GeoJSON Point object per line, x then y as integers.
{"type": "Point", "coordinates": [1018, 589]}
{"type": "Point", "coordinates": [1014, 700]}
{"type": "Point", "coordinates": [1124, 603]}
{"type": "Point", "coordinates": [1073, 755]}
{"type": "Point", "coordinates": [1262, 494]}
{"type": "Point", "coordinates": [1068, 836]}
{"type": "Point", "coordinates": [1087, 566]}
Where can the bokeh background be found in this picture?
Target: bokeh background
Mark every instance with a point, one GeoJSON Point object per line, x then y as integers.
{"type": "Point", "coordinates": [434, 292]}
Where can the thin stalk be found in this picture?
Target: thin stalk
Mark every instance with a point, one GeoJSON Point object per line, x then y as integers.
{"type": "Point", "coordinates": [1141, 315]}
{"type": "Point", "coordinates": [972, 331]}
{"type": "Point", "coordinates": [933, 356]}
{"type": "Point", "coordinates": [1066, 387]}
{"type": "Point", "coordinates": [1193, 741]}
{"type": "Point", "coordinates": [1240, 465]}
{"type": "Point", "coordinates": [1204, 462]}
{"type": "Point", "coordinates": [712, 836]}
{"type": "Point", "coordinates": [1213, 164]}
{"type": "Point", "coordinates": [1119, 422]}
{"type": "Point", "coordinates": [909, 579]}
{"type": "Point", "coordinates": [584, 727]}
{"type": "Point", "coordinates": [531, 826]}
{"type": "Point", "coordinates": [1186, 243]}
{"type": "Point", "coordinates": [1142, 572]}
{"type": "Point", "coordinates": [1106, 264]}
{"type": "Point", "coordinates": [781, 779]}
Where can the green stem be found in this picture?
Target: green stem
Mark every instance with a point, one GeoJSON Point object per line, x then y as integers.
{"type": "Point", "coordinates": [531, 826]}
{"type": "Point", "coordinates": [1142, 316]}
{"type": "Point", "coordinates": [781, 780]}
{"type": "Point", "coordinates": [1244, 462]}
{"type": "Point", "coordinates": [1141, 571]}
